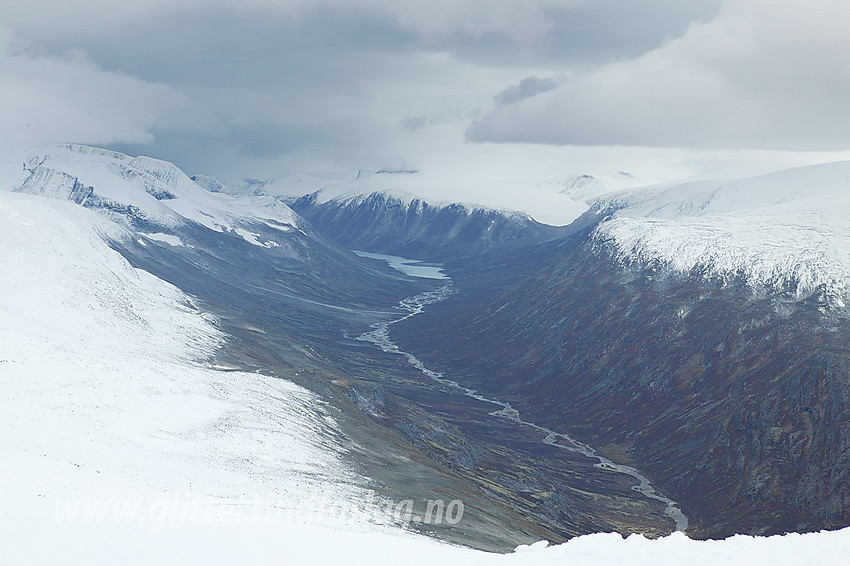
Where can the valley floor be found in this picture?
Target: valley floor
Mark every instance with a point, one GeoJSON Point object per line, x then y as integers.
{"type": "Point", "coordinates": [122, 444]}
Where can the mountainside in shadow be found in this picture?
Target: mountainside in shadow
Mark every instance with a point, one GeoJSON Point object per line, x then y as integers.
{"type": "Point", "coordinates": [181, 231]}
{"type": "Point", "coordinates": [697, 332]}
{"type": "Point", "coordinates": [412, 227]}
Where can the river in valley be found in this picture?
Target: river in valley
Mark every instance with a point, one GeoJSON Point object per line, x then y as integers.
{"type": "Point", "coordinates": [379, 335]}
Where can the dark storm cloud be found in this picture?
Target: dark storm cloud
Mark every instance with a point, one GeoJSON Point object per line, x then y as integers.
{"type": "Point", "coordinates": [283, 82]}
{"type": "Point", "coordinates": [194, 42]}
{"type": "Point", "coordinates": [303, 63]}
{"type": "Point", "coordinates": [195, 152]}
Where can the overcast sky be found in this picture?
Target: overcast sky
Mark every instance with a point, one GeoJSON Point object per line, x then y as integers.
{"type": "Point", "coordinates": [477, 88]}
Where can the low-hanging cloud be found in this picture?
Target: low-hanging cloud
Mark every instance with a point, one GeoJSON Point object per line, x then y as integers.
{"type": "Point", "coordinates": [263, 87]}
{"type": "Point", "coordinates": [235, 88]}
{"type": "Point", "coordinates": [763, 74]}
{"type": "Point", "coordinates": [49, 98]}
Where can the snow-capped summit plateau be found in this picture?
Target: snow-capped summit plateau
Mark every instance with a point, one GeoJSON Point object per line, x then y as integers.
{"type": "Point", "coordinates": [788, 230]}
{"type": "Point", "coordinates": [142, 192]}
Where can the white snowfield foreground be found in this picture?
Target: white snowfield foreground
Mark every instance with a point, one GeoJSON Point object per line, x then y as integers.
{"type": "Point", "coordinates": [120, 445]}
{"type": "Point", "coordinates": [788, 230]}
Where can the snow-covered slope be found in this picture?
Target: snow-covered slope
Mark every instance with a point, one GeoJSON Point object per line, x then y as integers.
{"type": "Point", "coordinates": [108, 396]}
{"type": "Point", "coordinates": [585, 188]}
{"type": "Point", "coordinates": [788, 230]}
{"type": "Point", "coordinates": [146, 193]}
{"type": "Point", "coordinates": [205, 242]}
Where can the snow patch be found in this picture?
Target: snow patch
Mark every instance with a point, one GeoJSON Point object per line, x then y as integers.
{"type": "Point", "coordinates": [169, 239]}
{"type": "Point", "coordinates": [252, 238]}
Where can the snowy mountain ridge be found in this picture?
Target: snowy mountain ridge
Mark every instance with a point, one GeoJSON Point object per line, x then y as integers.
{"type": "Point", "coordinates": [144, 192]}
{"type": "Point", "coordinates": [587, 187]}
{"type": "Point", "coordinates": [787, 230]}
{"type": "Point", "coordinates": [409, 201]}
{"type": "Point", "coordinates": [406, 188]}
